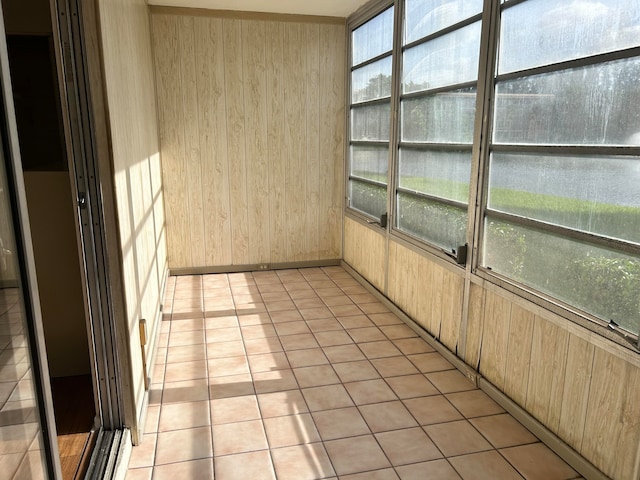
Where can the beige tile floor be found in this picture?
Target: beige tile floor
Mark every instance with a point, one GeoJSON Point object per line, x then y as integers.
{"type": "Point", "coordinates": [303, 374]}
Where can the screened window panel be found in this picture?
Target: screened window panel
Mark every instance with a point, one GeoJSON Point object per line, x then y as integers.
{"type": "Point", "coordinates": [373, 38]}
{"type": "Point", "coordinates": [370, 162]}
{"type": "Point", "coordinates": [599, 195]}
{"type": "Point", "coordinates": [372, 81]}
{"type": "Point", "coordinates": [600, 281]}
{"type": "Point", "coordinates": [438, 173]}
{"type": "Point", "coordinates": [368, 198]}
{"type": "Point", "coordinates": [595, 105]}
{"type": "Point", "coordinates": [446, 117]}
{"type": "Point", "coordinates": [370, 123]}
{"type": "Point", "coordinates": [447, 60]}
{"type": "Point", "coordinates": [424, 17]}
{"type": "Point", "coordinates": [440, 224]}
{"type": "Point", "coordinates": [558, 31]}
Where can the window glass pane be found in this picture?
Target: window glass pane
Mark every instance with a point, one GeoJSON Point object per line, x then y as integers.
{"type": "Point", "coordinates": [435, 172]}
{"type": "Point", "coordinates": [424, 17]}
{"type": "Point", "coordinates": [446, 117]}
{"type": "Point", "coordinates": [599, 281]}
{"type": "Point", "coordinates": [367, 198]}
{"type": "Point", "coordinates": [557, 31]}
{"type": "Point", "coordinates": [590, 105]}
{"type": "Point", "coordinates": [446, 60]}
{"type": "Point", "coordinates": [593, 194]}
{"type": "Point", "coordinates": [370, 123]}
{"type": "Point", "coordinates": [437, 223]}
{"type": "Point", "coordinates": [371, 81]}
{"type": "Point", "coordinates": [370, 162]}
{"type": "Point", "coordinates": [373, 38]}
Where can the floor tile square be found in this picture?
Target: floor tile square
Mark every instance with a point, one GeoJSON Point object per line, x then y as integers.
{"type": "Point", "coordinates": [345, 310]}
{"type": "Point", "coordinates": [356, 371]}
{"type": "Point", "coordinates": [435, 469]}
{"type": "Point", "coordinates": [277, 404]}
{"type": "Point", "coordinates": [187, 391]}
{"type": "Point", "coordinates": [327, 398]}
{"type": "Point", "coordinates": [450, 381]}
{"type": "Point", "coordinates": [315, 376]}
{"type": "Point", "coordinates": [231, 386]}
{"type": "Point", "coordinates": [432, 409]}
{"type": "Point", "coordinates": [480, 466]}
{"type": "Point", "coordinates": [333, 338]}
{"type": "Point", "coordinates": [278, 380]}
{"type": "Point", "coordinates": [178, 416]}
{"type": "Point", "coordinates": [379, 349]}
{"type": "Point", "coordinates": [356, 454]}
{"type": "Point", "coordinates": [315, 313]}
{"type": "Point", "coordinates": [394, 366]}
{"type": "Point", "coordinates": [250, 332]}
{"type": "Point", "coordinates": [292, 328]}
{"type": "Point", "coordinates": [260, 318]}
{"type": "Point", "coordinates": [142, 455]}
{"type": "Point", "coordinates": [343, 353]}
{"type": "Point", "coordinates": [411, 346]}
{"type": "Point", "coordinates": [340, 423]}
{"type": "Point", "coordinates": [239, 437]}
{"type": "Point", "coordinates": [370, 391]}
{"type": "Point", "coordinates": [457, 438]}
{"type": "Point", "coordinates": [474, 403]}
{"type": "Point", "coordinates": [187, 325]}
{"type": "Point", "coordinates": [356, 321]}
{"type": "Point", "coordinates": [244, 466]}
{"type": "Point", "coordinates": [503, 431]}
{"type": "Point", "coordinates": [366, 334]}
{"type": "Point", "coordinates": [324, 325]}
{"type": "Point", "coordinates": [410, 445]}
{"type": "Point", "coordinates": [266, 362]}
{"type": "Point", "coordinates": [430, 362]}
{"type": "Point", "coordinates": [178, 372]}
{"type": "Point", "coordinates": [183, 445]}
{"type": "Point", "coordinates": [537, 462]}
{"type": "Point", "coordinates": [196, 470]}
{"type": "Point", "coordinates": [394, 332]}
{"type": "Point", "coordinates": [230, 321]}
{"type": "Point", "coordinates": [412, 386]}
{"type": "Point", "coordinates": [222, 367]}
{"type": "Point", "coordinates": [234, 409]}
{"type": "Point", "coordinates": [225, 349]}
{"type": "Point", "coordinates": [307, 357]}
{"type": "Point", "coordinates": [302, 462]}
{"type": "Point", "coordinates": [298, 342]}
{"type": "Point", "coordinates": [336, 300]}
{"type": "Point", "coordinates": [309, 302]}
{"type": "Point", "coordinates": [373, 308]}
{"type": "Point", "coordinates": [289, 430]}
{"type": "Point", "coordinates": [285, 316]}
{"type": "Point", "coordinates": [382, 417]}
{"type": "Point", "coordinates": [385, 318]}
{"type": "Point", "coordinates": [223, 334]}
{"type": "Point", "coordinates": [262, 345]}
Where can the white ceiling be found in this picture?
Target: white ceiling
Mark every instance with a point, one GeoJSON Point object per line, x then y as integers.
{"type": "Point", "coordinates": [332, 8]}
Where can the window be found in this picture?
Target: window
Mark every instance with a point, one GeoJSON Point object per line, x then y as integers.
{"type": "Point", "coordinates": [556, 146]}
{"type": "Point", "coordinates": [441, 44]}
{"type": "Point", "coordinates": [371, 60]}
{"type": "Point", "coordinates": [563, 201]}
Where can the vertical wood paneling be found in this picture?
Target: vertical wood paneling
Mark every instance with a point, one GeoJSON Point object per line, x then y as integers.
{"type": "Point", "coordinates": [234, 92]}
{"type": "Point", "coordinates": [495, 338]}
{"type": "Point", "coordinates": [166, 40]}
{"type": "Point", "coordinates": [295, 138]}
{"type": "Point", "coordinates": [547, 372]}
{"type": "Point", "coordinates": [257, 167]}
{"type": "Point", "coordinates": [276, 140]}
{"type": "Point", "coordinates": [332, 85]}
{"type": "Point", "coordinates": [516, 379]}
{"type": "Point", "coordinates": [452, 293]}
{"type": "Point", "coordinates": [364, 251]}
{"type": "Point", "coordinates": [213, 142]}
{"type": "Point", "coordinates": [576, 391]}
{"type": "Point", "coordinates": [475, 326]}
{"type": "Point", "coordinates": [191, 131]}
{"type": "Point", "coordinates": [253, 132]}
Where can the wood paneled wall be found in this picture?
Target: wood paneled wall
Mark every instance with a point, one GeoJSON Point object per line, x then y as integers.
{"type": "Point", "coordinates": [131, 105]}
{"type": "Point", "coordinates": [581, 386]}
{"type": "Point", "coordinates": [251, 117]}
